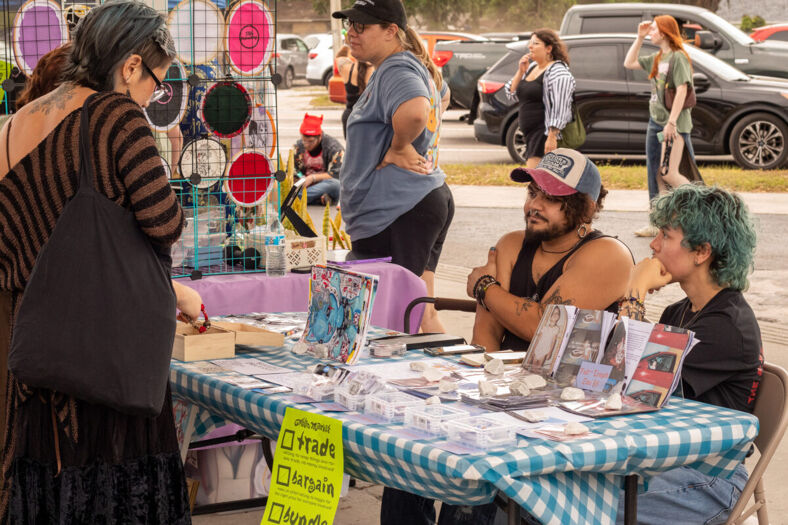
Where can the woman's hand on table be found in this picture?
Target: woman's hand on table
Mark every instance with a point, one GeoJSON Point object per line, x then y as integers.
{"type": "Point", "coordinates": [408, 159]}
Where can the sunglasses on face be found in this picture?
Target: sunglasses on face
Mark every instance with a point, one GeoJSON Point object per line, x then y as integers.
{"type": "Point", "coordinates": [357, 27]}
{"type": "Point", "coordinates": [159, 92]}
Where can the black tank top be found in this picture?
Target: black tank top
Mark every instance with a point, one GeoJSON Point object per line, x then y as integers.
{"type": "Point", "coordinates": [522, 282]}
{"type": "Point", "coordinates": [531, 113]}
{"type": "Point", "coordinates": [352, 92]}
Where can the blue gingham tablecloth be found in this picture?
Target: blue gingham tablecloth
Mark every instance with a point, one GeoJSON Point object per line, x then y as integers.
{"type": "Point", "coordinates": [559, 483]}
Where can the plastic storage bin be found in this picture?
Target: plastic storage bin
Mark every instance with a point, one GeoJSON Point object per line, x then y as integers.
{"type": "Point", "coordinates": [314, 386]}
{"type": "Point", "coordinates": [391, 405]}
{"type": "Point", "coordinates": [350, 401]}
{"type": "Point", "coordinates": [481, 432]}
{"type": "Point", "coordinates": [431, 418]}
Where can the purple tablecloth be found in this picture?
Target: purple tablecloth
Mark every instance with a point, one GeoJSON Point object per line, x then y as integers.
{"type": "Point", "coordinates": [256, 292]}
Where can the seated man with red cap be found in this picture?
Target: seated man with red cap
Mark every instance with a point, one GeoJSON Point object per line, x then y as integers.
{"type": "Point", "coordinates": [318, 158]}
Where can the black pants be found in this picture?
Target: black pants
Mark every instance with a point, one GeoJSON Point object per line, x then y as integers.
{"type": "Point", "coordinates": [415, 239]}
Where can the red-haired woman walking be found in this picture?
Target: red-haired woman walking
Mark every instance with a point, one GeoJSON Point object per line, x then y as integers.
{"type": "Point", "coordinates": [665, 125]}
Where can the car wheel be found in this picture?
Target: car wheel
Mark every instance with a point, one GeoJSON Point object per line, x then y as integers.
{"type": "Point", "coordinates": [515, 142]}
{"type": "Point", "coordinates": [758, 141]}
{"type": "Point", "coordinates": [327, 77]}
{"type": "Point", "coordinates": [289, 77]}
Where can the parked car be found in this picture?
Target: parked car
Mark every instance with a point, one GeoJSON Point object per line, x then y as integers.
{"type": "Point", "coordinates": [336, 88]}
{"type": "Point", "coordinates": [746, 116]}
{"type": "Point", "coordinates": [291, 57]}
{"type": "Point", "coordinates": [772, 32]}
{"type": "Point", "coordinates": [320, 66]}
{"type": "Point", "coordinates": [709, 31]}
{"type": "Point", "coordinates": [463, 63]}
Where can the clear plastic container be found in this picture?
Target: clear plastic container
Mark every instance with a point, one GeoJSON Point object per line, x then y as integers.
{"type": "Point", "coordinates": [391, 405]}
{"type": "Point", "coordinates": [275, 260]}
{"type": "Point", "coordinates": [350, 401]}
{"type": "Point", "coordinates": [431, 418]}
{"type": "Point", "coordinates": [314, 386]}
{"type": "Point", "coordinates": [481, 432]}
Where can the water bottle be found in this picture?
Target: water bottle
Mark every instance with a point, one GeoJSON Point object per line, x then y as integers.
{"type": "Point", "coordinates": [275, 262]}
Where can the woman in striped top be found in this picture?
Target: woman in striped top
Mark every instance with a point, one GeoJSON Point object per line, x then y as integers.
{"type": "Point", "coordinates": [544, 87]}
{"type": "Point", "coordinates": [65, 460]}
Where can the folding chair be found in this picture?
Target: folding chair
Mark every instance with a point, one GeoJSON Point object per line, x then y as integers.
{"type": "Point", "coordinates": [441, 303]}
{"type": "Point", "coordinates": [771, 408]}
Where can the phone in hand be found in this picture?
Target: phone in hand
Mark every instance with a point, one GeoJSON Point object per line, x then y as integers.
{"type": "Point", "coordinates": [661, 136]}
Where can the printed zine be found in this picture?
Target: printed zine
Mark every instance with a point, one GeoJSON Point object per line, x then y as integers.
{"type": "Point", "coordinates": [340, 309]}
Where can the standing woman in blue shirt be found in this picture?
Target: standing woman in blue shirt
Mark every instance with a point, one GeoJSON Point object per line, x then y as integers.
{"type": "Point", "coordinates": [395, 201]}
{"type": "Point", "coordinates": [544, 87]}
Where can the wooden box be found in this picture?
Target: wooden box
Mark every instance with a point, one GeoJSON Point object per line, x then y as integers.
{"type": "Point", "coordinates": [251, 335]}
{"type": "Point", "coordinates": [190, 345]}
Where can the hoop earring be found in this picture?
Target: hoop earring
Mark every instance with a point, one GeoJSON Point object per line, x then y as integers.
{"type": "Point", "coordinates": [584, 229]}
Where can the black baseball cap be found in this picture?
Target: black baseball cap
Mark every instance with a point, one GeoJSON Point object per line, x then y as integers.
{"type": "Point", "coordinates": [375, 12]}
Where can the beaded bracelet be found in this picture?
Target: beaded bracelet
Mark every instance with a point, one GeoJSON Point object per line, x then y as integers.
{"type": "Point", "coordinates": [481, 286]}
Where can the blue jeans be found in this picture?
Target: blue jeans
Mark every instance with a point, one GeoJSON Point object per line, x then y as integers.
{"type": "Point", "coordinates": [327, 187]}
{"type": "Point", "coordinates": [653, 152]}
{"type": "Point", "coordinates": [685, 495]}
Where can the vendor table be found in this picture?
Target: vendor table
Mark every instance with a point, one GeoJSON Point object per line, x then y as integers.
{"type": "Point", "coordinates": [568, 483]}
{"type": "Point", "coordinates": [256, 292]}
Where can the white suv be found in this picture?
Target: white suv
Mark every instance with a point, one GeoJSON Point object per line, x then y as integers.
{"type": "Point", "coordinates": [320, 66]}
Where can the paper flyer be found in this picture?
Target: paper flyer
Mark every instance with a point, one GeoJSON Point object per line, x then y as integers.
{"type": "Point", "coordinates": [306, 480]}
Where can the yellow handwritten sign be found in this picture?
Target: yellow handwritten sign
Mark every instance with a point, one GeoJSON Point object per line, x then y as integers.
{"type": "Point", "coordinates": [307, 476]}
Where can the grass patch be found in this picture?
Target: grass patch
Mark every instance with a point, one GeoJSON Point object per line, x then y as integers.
{"type": "Point", "coordinates": [620, 177]}
{"type": "Point", "coordinates": [322, 101]}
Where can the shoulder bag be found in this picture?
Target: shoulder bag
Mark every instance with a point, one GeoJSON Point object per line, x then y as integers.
{"type": "Point", "coordinates": [670, 89]}
{"type": "Point", "coordinates": [574, 133]}
{"type": "Point", "coordinates": [97, 319]}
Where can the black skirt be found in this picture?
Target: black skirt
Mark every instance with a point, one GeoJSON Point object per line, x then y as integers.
{"type": "Point", "coordinates": [535, 139]}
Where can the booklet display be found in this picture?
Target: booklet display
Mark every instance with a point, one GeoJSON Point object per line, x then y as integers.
{"type": "Point", "coordinates": [340, 308]}
{"type": "Point", "coordinates": [590, 350]}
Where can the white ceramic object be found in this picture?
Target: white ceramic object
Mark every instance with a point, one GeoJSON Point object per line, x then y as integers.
{"type": "Point", "coordinates": [571, 393]}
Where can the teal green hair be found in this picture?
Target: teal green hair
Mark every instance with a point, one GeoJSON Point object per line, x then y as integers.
{"type": "Point", "coordinates": [715, 216]}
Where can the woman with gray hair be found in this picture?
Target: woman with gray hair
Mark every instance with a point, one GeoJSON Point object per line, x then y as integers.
{"type": "Point", "coordinates": [64, 459]}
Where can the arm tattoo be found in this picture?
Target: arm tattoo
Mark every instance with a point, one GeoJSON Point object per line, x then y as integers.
{"type": "Point", "coordinates": [523, 305]}
{"type": "Point", "coordinates": [57, 99]}
{"type": "Point", "coordinates": [555, 298]}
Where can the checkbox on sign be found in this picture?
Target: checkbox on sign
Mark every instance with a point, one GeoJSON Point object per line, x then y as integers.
{"type": "Point", "coordinates": [275, 515]}
{"type": "Point", "coordinates": [283, 476]}
{"type": "Point", "coordinates": [287, 440]}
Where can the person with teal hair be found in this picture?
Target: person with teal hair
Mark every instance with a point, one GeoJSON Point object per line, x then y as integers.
{"type": "Point", "coordinates": [705, 242]}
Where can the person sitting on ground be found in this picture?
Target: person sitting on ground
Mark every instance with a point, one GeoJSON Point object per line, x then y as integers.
{"type": "Point", "coordinates": [558, 259]}
{"type": "Point", "coordinates": [706, 243]}
{"type": "Point", "coordinates": [318, 158]}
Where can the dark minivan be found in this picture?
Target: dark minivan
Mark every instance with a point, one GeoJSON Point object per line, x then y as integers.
{"type": "Point", "coordinates": [745, 116]}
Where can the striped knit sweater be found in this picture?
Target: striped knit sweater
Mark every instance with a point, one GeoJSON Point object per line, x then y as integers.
{"type": "Point", "coordinates": [559, 90]}
{"type": "Point", "coordinates": [128, 171]}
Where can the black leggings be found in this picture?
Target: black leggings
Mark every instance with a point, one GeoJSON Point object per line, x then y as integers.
{"type": "Point", "coordinates": [415, 239]}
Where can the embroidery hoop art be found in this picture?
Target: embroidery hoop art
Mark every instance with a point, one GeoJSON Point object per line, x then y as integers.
{"type": "Point", "coordinates": [265, 119]}
{"type": "Point", "coordinates": [249, 37]}
{"type": "Point", "coordinates": [163, 118]}
{"type": "Point", "coordinates": [249, 178]}
{"type": "Point", "coordinates": [202, 162]}
{"type": "Point", "coordinates": [38, 28]}
{"type": "Point", "coordinates": [226, 109]}
{"type": "Point", "coordinates": [196, 24]}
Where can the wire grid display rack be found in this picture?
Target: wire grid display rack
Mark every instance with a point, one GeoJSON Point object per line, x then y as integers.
{"type": "Point", "coordinates": [216, 126]}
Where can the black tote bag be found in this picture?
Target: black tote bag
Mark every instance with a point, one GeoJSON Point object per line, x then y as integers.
{"type": "Point", "coordinates": [97, 319]}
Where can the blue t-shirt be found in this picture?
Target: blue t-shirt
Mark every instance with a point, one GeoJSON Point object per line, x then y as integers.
{"type": "Point", "coordinates": [372, 199]}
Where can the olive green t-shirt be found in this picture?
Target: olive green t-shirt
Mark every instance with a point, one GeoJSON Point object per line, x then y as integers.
{"type": "Point", "coordinates": [682, 74]}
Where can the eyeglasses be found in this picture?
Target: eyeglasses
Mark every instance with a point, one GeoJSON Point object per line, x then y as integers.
{"type": "Point", "coordinates": [160, 90]}
{"type": "Point", "coordinates": [357, 27]}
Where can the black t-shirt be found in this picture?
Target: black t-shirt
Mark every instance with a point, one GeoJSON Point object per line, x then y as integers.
{"type": "Point", "coordinates": [725, 367]}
